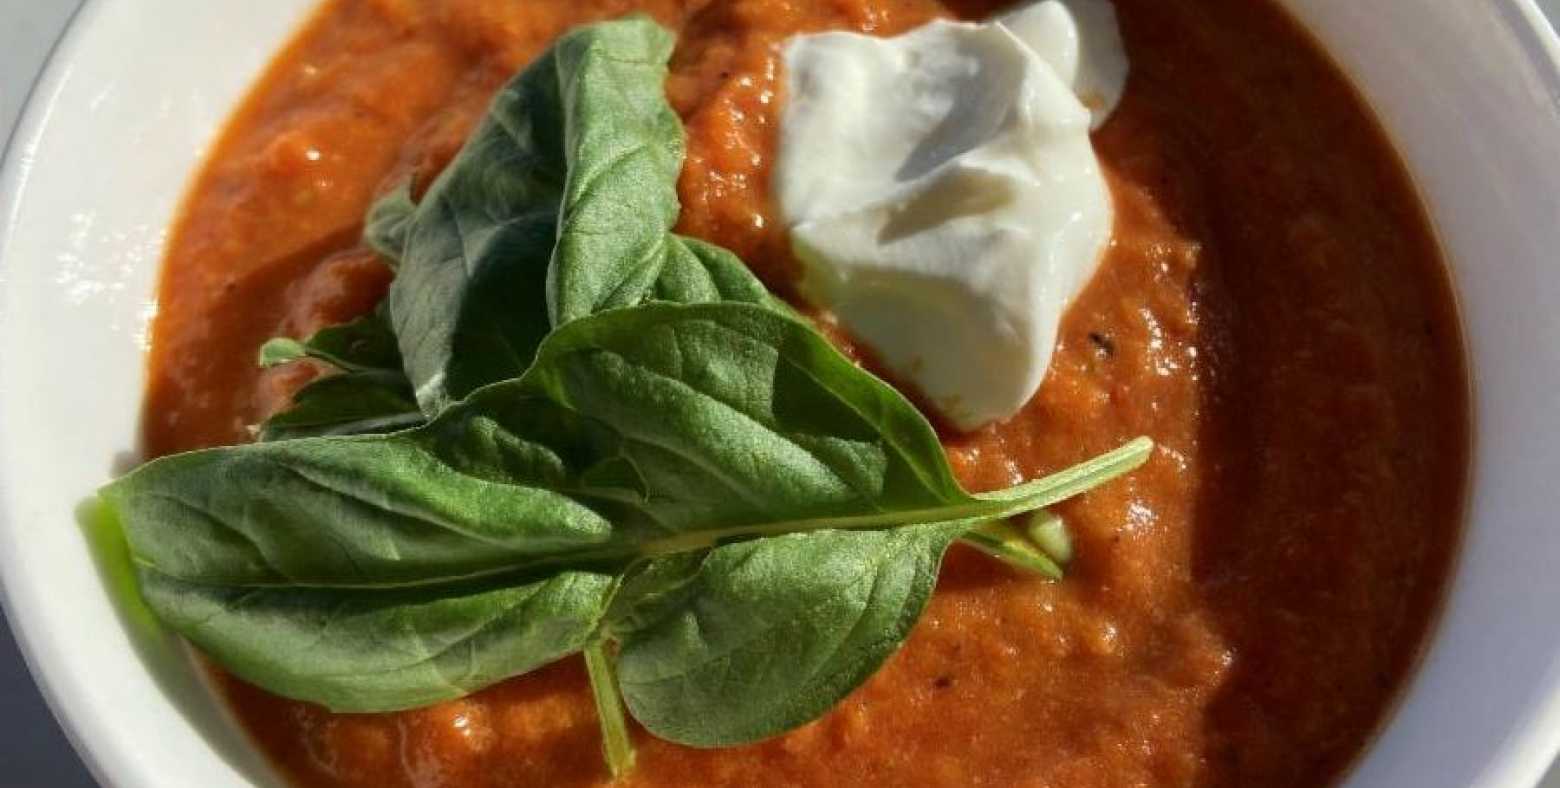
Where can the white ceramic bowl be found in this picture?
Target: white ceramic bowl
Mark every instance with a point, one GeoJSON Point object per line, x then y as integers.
{"type": "Point", "coordinates": [1469, 90]}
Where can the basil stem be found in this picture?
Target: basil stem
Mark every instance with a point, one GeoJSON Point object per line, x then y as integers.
{"type": "Point", "coordinates": [1048, 531]}
{"type": "Point", "coordinates": [1000, 539]}
{"type": "Point", "coordinates": [616, 745]}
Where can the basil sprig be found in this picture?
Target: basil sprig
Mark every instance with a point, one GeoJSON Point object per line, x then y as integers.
{"type": "Point", "coordinates": [369, 394]}
{"type": "Point", "coordinates": [568, 430]}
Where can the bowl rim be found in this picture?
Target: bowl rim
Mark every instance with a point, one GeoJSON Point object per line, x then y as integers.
{"type": "Point", "coordinates": [1529, 758]}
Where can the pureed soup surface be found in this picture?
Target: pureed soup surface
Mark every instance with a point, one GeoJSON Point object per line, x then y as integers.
{"type": "Point", "coordinates": [1272, 311]}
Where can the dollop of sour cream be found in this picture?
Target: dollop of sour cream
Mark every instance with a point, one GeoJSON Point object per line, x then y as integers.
{"type": "Point", "coordinates": [943, 196]}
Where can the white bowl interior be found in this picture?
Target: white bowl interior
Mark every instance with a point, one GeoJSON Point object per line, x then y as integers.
{"type": "Point", "coordinates": [1470, 93]}
{"type": "Point", "coordinates": [121, 118]}
{"type": "Point", "coordinates": [1469, 90]}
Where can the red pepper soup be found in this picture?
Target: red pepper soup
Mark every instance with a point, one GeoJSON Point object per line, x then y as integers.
{"type": "Point", "coordinates": [1272, 310]}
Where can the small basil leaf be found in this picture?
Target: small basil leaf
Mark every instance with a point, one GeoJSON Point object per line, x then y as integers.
{"type": "Point", "coordinates": [363, 344]}
{"type": "Point", "coordinates": [772, 633]}
{"type": "Point", "coordinates": [366, 343]}
{"type": "Point", "coordinates": [369, 395]}
{"type": "Point", "coordinates": [381, 650]}
{"type": "Point", "coordinates": [282, 350]}
{"type": "Point", "coordinates": [349, 403]}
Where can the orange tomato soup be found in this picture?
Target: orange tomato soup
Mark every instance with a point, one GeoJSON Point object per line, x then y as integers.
{"type": "Point", "coordinates": [1272, 311]}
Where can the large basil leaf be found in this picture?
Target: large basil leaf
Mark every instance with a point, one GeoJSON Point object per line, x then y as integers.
{"type": "Point", "coordinates": [757, 418]}
{"type": "Point", "coordinates": [759, 427]}
{"type": "Point", "coordinates": [579, 152]}
{"type": "Point", "coordinates": [381, 650]}
{"type": "Point", "coordinates": [468, 495]}
{"type": "Point", "coordinates": [769, 634]}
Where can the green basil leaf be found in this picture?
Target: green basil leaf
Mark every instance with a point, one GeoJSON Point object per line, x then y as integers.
{"type": "Point", "coordinates": [383, 650]}
{"type": "Point", "coordinates": [560, 205]}
{"type": "Point", "coordinates": [760, 424]}
{"type": "Point", "coordinates": [349, 403]}
{"type": "Point", "coordinates": [696, 272]}
{"type": "Point", "coordinates": [757, 418]}
{"type": "Point", "coordinates": [282, 350]}
{"type": "Point", "coordinates": [624, 146]}
{"type": "Point", "coordinates": [366, 343]}
{"type": "Point", "coordinates": [369, 395]}
{"type": "Point", "coordinates": [471, 494]}
{"type": "Point", "coordinates": [770, 634]}
{"type": "Point", "coordinates": [615, 247]}
{"type": "Point", "coordinates": [468, 301]}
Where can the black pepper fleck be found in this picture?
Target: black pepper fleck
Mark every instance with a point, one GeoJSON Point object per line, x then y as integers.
{"type": "Point", "coordinates": [1103, 344]}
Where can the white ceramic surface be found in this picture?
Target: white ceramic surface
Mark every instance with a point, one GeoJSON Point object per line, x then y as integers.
{"type": "Point", "coordinates": [33, 747]}
{"type": "Point", "coordinates": [1469, 89]}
